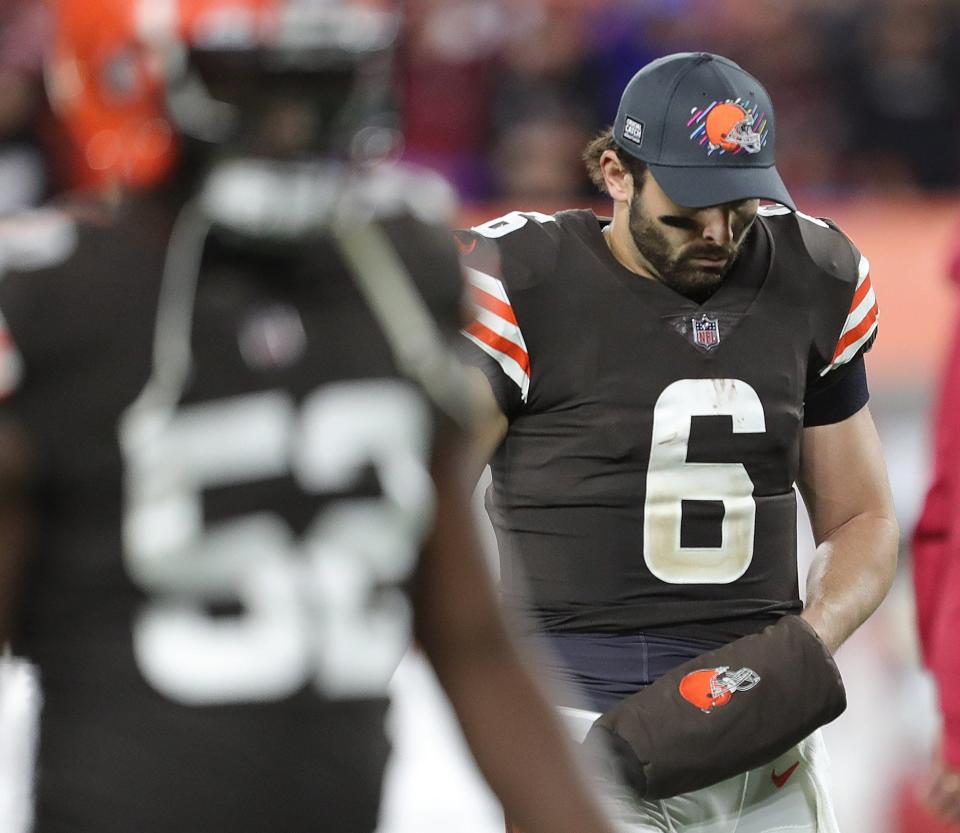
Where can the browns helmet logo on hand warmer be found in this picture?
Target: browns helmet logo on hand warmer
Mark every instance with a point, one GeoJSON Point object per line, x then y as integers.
{"type": "Point", "coordinates": [711, 688]}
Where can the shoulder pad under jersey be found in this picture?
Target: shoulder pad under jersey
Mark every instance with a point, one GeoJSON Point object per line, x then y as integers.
{"type": "Point", "coordinates": [520, 248]}
{"type": "Point", "coordinates": [840, 286]}
{"type": "Point", "coordinates": [36, 240]}
{"type": "Point", "coordinates": [502, 259]}
{"type": "Point", "coordinates": [825, 244]}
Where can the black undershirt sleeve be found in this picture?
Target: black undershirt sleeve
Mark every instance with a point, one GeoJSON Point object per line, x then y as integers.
{"type": "Point", "coordinates": [840, 399]}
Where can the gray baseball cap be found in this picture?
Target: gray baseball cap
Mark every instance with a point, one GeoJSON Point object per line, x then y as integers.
{"type": "Point", "coordinates": [704, 127]}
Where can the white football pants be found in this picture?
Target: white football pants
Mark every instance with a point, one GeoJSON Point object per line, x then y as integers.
{"type": "Point", "coordinates": [788, 795]}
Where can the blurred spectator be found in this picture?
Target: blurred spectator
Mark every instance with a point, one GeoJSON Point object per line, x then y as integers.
{"type": "Point", "coordinates": [543, 69]}
{"type": "Point", "coordinates": [625, 36]}
{"type": "Point", "coordinates": [543, 108]}
{"type": "Point", "coordinates": [936, 566]}
{"type": "Point", "coordinates": [447, 79]}
{"type": "Point", "coordinates": [23, 33]}
{"type": "Point", "coordinates": [538, 158]}
{"type": "Point", "coordinates": [900, 65]}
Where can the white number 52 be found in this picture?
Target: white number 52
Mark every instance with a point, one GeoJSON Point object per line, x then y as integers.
{"type": "Point", "coordinates": [322, 607]}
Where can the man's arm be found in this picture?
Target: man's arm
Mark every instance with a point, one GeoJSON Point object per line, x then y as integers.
{"type": "Point", "coordinates": [515, 737]}
{"type": "Point", "coordinates": [490, 424]}
{"type": "Point", "coordinates": [843, 480]}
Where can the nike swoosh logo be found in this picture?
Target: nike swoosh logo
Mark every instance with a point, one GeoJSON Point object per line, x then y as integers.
{"type": "Point", "coordinates": [783, 777]}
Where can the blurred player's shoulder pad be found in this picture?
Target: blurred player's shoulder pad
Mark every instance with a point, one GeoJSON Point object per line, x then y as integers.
{"type": "Point", "coordinates": [393, 190]}
{"type": "Point", "coordinates": [820, 239]}
{"type": "Point", "coordinates": [416, 208]}
{"type": "Point", "coordinates": [520, 248]}
{"type": "Point", "coordinates": [35, 240]}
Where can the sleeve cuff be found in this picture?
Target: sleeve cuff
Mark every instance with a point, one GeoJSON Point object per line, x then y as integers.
{"type": "Point", "coordinates": [845, 394]}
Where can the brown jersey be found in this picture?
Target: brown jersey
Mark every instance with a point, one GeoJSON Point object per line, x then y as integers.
{"type": "Point", "coordinates": [231, 492]}
{"type": "Point", "coordinates": [646, 482]}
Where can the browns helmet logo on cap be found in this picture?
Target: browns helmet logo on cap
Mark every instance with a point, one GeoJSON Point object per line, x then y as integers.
{"type": "Point", "coordinates": [707, 130]}
{"type": "Point", "coordinates": [730, 126]}
{"type": "Point", "coordinates": [710, 688]}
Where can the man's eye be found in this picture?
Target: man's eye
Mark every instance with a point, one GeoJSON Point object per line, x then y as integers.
{"type": "Point", "coordinates": [679, 222]}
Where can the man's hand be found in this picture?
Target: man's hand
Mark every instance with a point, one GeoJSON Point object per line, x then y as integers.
{"type": "Point", "coordinates": [940, 792]}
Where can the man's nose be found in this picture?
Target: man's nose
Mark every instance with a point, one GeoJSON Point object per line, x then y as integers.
{"type": "Point", "coordinates": [718, 225]}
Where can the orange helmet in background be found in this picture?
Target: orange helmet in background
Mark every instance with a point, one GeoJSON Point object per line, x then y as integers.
{"type": "Point", "coordinates": [109, 70]}
{"type": "Point", "coordinates": [107, 89]}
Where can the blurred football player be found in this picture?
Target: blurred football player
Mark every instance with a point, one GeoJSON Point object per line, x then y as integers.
{"type": "Point", "coordinates": [936, 573]}
{"type": "Point", "coordinates": [660, 382]}
{"type": "Point", "coordinates": [231, 427]}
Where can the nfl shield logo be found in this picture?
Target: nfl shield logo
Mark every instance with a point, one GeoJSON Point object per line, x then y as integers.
{"type": "Point", "coordinates": [706, 332]}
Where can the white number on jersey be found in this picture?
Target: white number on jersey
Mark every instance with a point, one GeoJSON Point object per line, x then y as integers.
{"type": "Point", "coordinates": [319, 608]}
{"type": "Point", "coordinates": [671, 480]}
{"type": "Point", "coordinates": [515, 220]}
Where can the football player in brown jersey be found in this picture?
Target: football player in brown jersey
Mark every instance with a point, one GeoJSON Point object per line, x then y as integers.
{"type": "Point", "coordinates": [231, 440]}
{"type": "Point", "coordinates": [662, 383]}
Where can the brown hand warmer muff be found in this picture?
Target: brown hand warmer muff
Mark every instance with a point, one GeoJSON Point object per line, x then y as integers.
{"type": "Point", "coordinates": [725, 712]}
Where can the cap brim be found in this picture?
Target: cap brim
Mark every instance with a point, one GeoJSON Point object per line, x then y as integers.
{"type": "Point", "coordinates": [701, 186]}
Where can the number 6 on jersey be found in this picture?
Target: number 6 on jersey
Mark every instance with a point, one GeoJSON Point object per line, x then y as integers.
{"type": "Point", "coordinates": [671, 480]}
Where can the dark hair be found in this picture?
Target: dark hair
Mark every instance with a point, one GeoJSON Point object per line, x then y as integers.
{"type": "Point", "coordinates": [595, 148]}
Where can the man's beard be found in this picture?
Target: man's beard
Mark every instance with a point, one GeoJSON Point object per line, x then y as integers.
{"type": "Point", "coordinates": [675, 270]}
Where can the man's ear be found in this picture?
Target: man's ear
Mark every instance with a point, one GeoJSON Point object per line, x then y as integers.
{"type": "Point", "coordinates": [616, 177]}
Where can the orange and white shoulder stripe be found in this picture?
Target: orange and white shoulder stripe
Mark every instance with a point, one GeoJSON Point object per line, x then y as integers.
{"type": "Point", "coordinates": [495, 330]}
{"type": "Point", "coordinates": [861, 323]}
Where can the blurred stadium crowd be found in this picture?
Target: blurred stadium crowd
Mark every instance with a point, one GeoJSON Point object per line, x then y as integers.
{"type": "Point", "coordinates": [500, 95]}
